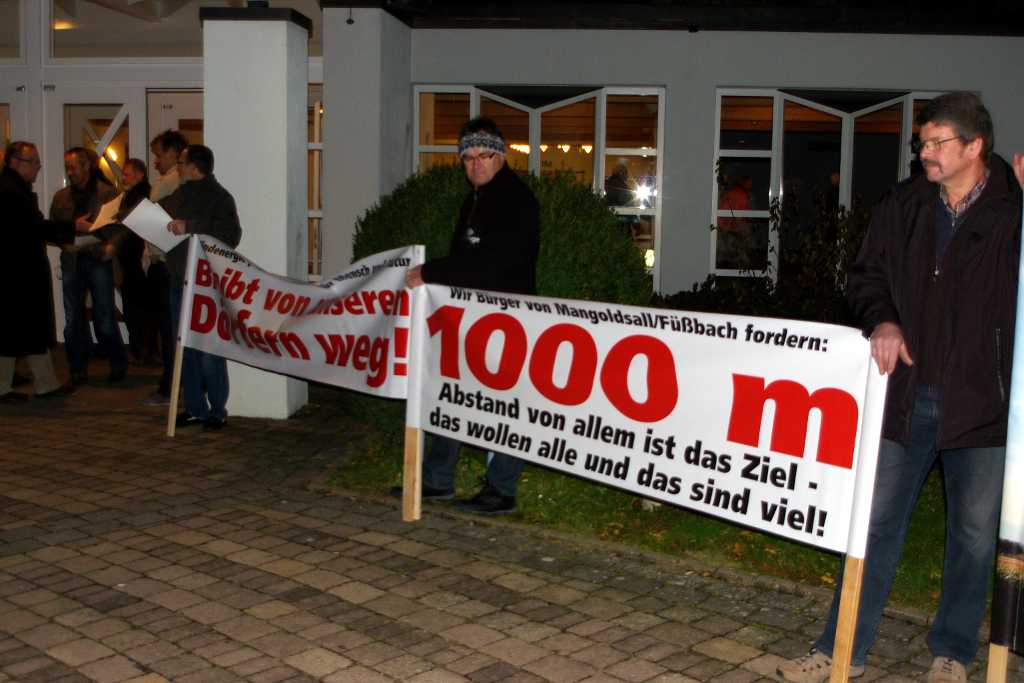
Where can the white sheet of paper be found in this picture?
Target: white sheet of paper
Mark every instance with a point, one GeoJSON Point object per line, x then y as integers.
{"type": "Point", "coordinates": [108, 213]}
{"type": "Point", "coordinates": [149, 221]}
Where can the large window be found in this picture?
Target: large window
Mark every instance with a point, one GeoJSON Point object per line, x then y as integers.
{"type": "Point", "coordinates": [802, 154]}
{"type": "Point", "coordinates": [10, 28]}
{"type": "Point", "coordinates": [5, 124]}
{"type": "Point", "coordinates": [607, 138]}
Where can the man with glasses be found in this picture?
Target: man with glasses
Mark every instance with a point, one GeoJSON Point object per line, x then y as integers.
{"type": "Point", "coordinates": [25, 275]}
{"type": "Point", "coordinates": [200, 206]}
{"type": "Point", "coordinates": [935, 288]}
{"type": "Point", "coordinates": [495, 247]}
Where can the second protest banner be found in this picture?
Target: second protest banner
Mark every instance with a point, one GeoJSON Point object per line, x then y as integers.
{"type": "Point", "coordinates": [758, 421]}
{"type": "Point", "coordinates": [350, 331]}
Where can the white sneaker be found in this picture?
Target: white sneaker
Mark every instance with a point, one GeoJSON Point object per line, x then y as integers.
{"type": "Point", "coordinates": [814, 667]}
{"type": "Point", "coordinates": [946, 670]}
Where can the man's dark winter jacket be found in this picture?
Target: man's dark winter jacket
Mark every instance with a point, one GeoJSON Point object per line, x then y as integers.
{"type": "Point", "coordinates": [889, 283]}
{"type": "Point", "coordinates": [496, 241]}
{"type": "Point", "coordinates": [207, 209]}
{"type": "Point", "coordinates": [25, 268]}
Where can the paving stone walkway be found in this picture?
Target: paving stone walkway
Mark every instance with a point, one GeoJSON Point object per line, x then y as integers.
{"type": "Point", "coordinates": [128, 556]}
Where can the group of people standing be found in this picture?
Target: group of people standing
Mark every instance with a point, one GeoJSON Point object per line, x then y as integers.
{"type": "Point", "coordinates": [934, 288]}
{"type": "Point", "coordinates": [94, 259]}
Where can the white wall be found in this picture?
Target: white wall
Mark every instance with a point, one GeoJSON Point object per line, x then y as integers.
{"type": "Point", "coordinates": [692, 65]}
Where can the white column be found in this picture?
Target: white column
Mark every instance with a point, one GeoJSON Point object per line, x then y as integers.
{"type": "Point", "coordinates": [368, 120]}
{"type": "Point", "coordinates": [255, 65]}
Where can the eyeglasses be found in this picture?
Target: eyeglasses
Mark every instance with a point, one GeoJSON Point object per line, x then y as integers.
{"type": "Point", "coordinates": [34, 161]}
{"type": "Point", "coordinates": [917, 146]}
{"type": "Point", "coordinates": [484, 156]}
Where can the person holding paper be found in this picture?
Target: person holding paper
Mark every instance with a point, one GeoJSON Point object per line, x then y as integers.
{"type": "Point", "coordinates": [495, 247]}
{"type": "Point", "coordinates": [126, 248]}
{"type": "Point", "coordinates": [201, 206]}
{"type": "Point", "coordinates": [935, 288]}
{"type": "Point", "coordinates": [85, 268]}
{"type": "Point", "coordinates": [25, 273]}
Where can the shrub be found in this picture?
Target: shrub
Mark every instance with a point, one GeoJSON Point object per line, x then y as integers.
{"type": "Point", "coordinates": [815, 254]}
{"type": "Point", "coordinates": [584, 252]}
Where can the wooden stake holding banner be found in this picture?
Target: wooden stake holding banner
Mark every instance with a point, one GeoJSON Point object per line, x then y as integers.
{"type": "Point", "coordinates": [412, 479]}
{"type": "Point", "coordinates": [860, 521]}
{"type": "Point", "coordinates": [412, 475]}
{"type": "Point", "coordinates": [185, 312]}
{"type": "Point", "coordinates": [172, 407]}
{"type": "Point", "coordinates": [998, 659]}
{"type": "Point", "coordinates": [849, 602]}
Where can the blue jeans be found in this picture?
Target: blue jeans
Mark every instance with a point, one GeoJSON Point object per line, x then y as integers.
{"type": "Point", "coordinates": [439, 467]}
{"type": "Point", "coordinates": [204, 376]}
{"type": "Point", "coordinates": [96, 277]}
{"type": "Point", "coordinates": [973, 480]}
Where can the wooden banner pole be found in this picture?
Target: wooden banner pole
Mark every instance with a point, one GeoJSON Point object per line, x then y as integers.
{"type": "Point", "coordinates": [412, 485]}
{"type": "Point", "coordinates": [172, 407]}
{"type": "Point", "coordinates": [849, 602]}
{"type": "Point", "coordinates": [998, 659]}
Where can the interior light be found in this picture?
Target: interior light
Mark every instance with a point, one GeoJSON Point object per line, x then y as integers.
{"type": "Point", "coordinates": [564, 148]}
{"type": "Point", "coordinates": [543, 148]}
{"type": "Point", "coordinates": [649, 258]}
{"type": "Point", "coordinates": [588, 148]}
{"type": "Point", "coordinates": [62, 25]}
{"type": "Point", "coordinates": [643, 193]}
{"type": "Point", "coordinates": [110, 153]}
{"type": "Point", "coordinates": [520, 147]}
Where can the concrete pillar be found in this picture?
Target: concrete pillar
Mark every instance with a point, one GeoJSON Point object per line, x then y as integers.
{"type": "Point", "coordinates": [367, 121]}
{"type": "Point", "coordinates": [255, 65]}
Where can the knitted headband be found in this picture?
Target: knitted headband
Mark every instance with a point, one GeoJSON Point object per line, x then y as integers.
{"type": "Point", "coordinates": [481, 139]}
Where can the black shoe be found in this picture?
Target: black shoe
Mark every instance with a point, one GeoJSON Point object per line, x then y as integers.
{"type": "Point", "coordinates": [186, 420]}
{"type": "Point", "coordinates": [19, 380]}
{"type": "Point", "coordinates": [12, 398]}
{"type": "Point", "coordinates": [488, 502]}
{"type": "Point", "coordinates": [214, 423]}
{"type": "Point", "coordinates": [62, 391]}
{"type": "Point", "coordinates": [427, 493]}
{"type": "Point", "coordinates": [116, 375]}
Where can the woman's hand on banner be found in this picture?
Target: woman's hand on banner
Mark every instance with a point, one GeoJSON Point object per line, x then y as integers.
{"type": "Point", "coordinates": [176, 226]}
{"type": "Point", "coordinates": [888, 347]}
{"type": "Point", "coordinates": [414, 277]}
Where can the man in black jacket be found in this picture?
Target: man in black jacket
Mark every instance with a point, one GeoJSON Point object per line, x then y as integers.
{"type": "Point", "coordinates": [935, 287]}
{"type": "Point", "coordinates": [25, 275]}
{"type": "Point", "coordinates": [199, 206]}
{"type": "Point", "coordinates": [495, 247]}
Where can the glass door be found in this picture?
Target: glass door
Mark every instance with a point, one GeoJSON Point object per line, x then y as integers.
{"type": "Point", "coordinates": [108, 122]}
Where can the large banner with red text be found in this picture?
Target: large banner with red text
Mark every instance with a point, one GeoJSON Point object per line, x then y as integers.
{"type": "Point", "coordinates": [351, 330]}
{"type": "Point", "coordinates": [768, 423]}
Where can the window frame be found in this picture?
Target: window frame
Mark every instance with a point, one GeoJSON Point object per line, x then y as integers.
{"type": "Point", "coordinates": [775, 154]}
{"type": "Point", "coordinates": [600, 151]}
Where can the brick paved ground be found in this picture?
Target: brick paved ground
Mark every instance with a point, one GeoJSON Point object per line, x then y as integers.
{"type": "Point", "coordinates": [127, 556]}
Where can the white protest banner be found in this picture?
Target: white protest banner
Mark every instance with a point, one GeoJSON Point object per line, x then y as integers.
{"type": "Point", "coordinates": [768, 423]}
{"type": "Point", "coordinates": [350, 331]}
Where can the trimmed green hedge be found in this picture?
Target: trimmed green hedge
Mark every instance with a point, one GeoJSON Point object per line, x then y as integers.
{"type": "Point", "coordinates": [584, 252]}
